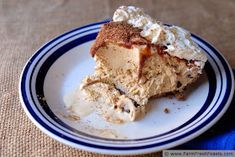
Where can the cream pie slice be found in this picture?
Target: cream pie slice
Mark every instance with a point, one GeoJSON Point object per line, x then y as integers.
{"type": "Point", "coordinates": [139, 58]}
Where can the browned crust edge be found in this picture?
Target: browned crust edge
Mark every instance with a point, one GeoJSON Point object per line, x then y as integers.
{"type": "Point", "coordinates": [118, 32]}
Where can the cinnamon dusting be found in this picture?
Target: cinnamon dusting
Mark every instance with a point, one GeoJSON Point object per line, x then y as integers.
{"type": "Point", "coordinates": [120, 33]}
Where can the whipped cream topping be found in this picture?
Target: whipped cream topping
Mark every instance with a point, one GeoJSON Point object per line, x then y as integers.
{"type": "Point", "coordinates": [177, 40]}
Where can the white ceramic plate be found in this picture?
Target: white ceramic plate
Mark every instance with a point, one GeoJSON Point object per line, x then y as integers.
{"type": "Point", "coordinates": [58, 67]}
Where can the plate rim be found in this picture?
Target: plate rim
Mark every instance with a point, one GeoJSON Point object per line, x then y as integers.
{"type": "Point", "coordinates": [142, 151]}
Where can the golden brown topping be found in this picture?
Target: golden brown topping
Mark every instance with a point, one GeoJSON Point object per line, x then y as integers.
{"type": "Point", "coordinates": [118, 32]}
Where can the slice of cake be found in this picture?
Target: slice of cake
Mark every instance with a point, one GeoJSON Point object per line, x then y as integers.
{"type": "Point", "coordinates": [139, 58]}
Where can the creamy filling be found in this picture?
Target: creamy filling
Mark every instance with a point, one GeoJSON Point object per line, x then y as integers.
{"type": "Point", "coordinates": [177, 40]}
{"type": "Point", "coordinates": [112, 104]}
{"type": "Point", "coordinates": [160, 73]}
{"type": "Point", "coordinates": [94, 95]}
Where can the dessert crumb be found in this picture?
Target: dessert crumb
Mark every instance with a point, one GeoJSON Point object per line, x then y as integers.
{"type": "Point", "coordinates": [166, 110]}
{"type": "Point", "coordinates": [170, 96]}
{"type": "Point", "coordinates": [180, 96]}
